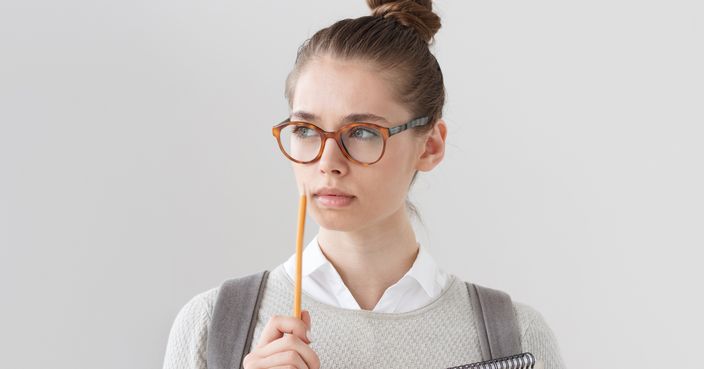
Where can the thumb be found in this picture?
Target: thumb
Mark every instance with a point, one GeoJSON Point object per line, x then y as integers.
{"type": "Point", "coordinates": [305, 316]}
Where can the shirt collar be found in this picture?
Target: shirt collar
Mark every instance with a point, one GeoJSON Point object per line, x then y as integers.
{"type": "Point", "coordinates": [424, 269]}
{"type": "Point", "coordinates": [313, 259]}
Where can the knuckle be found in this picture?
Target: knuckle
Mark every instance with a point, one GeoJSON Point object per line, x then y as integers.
{"type": "Point", "coordinates": [246, 362]}
{"type": "Point", "coordinates": [275, 322]}
{"type": "Point", "coordinates": [312, 360]}
{"type": "Point", "coordinates": [291, 355]}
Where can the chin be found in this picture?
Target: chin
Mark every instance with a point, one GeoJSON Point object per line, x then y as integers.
{"type": "Point", "coordinates": [340, 225]}
{"type": "Point", "coordinates": [336, 220]}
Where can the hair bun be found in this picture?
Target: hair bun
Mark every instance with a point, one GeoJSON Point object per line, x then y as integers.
{"type": "Point", "coordinates": [416, 14]}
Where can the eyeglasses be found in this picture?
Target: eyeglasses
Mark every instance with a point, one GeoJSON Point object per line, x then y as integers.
{"type": "Point", "coordinates": [362, 143]}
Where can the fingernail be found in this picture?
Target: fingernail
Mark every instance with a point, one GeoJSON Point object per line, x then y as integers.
{"type": "Point", "coordinates": [309, 335]}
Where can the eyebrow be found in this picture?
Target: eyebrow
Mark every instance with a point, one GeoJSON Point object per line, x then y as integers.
{"type": "Point", "coordinates": [354, 117]}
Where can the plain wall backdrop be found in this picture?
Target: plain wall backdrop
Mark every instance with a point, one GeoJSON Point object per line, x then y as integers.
{"type": "Point", "coordinates": [137, 168]}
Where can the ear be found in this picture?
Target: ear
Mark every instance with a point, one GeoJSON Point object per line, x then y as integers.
{"type": "Point", "coordinates": [434, 147]}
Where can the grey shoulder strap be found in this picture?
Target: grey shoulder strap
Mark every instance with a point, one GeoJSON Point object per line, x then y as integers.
{"type": "Point", "coordinates": [235, 312]}
{"type": "Point", "coordinates": [234, 316]}
{"type": "Point", "coordinates": [499, 334]}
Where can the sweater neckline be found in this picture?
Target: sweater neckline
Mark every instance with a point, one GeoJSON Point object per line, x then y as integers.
{"type": "Point", "coordinates": [280, 273]}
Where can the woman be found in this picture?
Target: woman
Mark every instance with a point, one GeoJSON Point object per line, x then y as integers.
{"type": "Point", "coordinates": [372, 296]}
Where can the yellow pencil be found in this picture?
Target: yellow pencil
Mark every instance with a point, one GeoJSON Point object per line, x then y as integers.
{"type": "Point", "coordinates": [299, 255]}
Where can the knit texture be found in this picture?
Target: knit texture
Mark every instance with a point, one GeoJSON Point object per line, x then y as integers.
{"type": "Point", "coordinates": [439, 335]}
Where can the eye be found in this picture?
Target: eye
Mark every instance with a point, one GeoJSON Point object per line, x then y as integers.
{"type": "Point", "coordinates": [363, 133]}
{"type": "Point", "coordinates": [303, 131]}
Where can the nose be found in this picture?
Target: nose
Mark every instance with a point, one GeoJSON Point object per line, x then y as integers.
{"type": "Point", "coordinates": [332, 160]}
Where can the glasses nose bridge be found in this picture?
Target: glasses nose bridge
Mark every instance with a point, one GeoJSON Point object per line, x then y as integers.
{"type": "Point", "coordinates": [325, 135]}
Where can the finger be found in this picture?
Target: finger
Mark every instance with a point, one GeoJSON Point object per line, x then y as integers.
{"type": "Point", "coordinates": [285, 343]}
{"type": "Point", "coordinates": [305, 316]}
{"type": "Point", "coordinates": [280, 324]}
{"type": "Point", "coordinates": [291, 342]}
{"type": "Point", "coordinates": [282, 359]}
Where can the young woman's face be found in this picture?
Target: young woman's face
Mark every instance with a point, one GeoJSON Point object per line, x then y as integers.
{"type": "Point", "coordinates": [332, 89]}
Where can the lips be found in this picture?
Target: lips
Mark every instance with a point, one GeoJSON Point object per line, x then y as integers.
{"type": "Point", "coordinates": [333, 201]}
{"type": "Point", "coordinates": [331, 191]}
{"type": "Point", "coordinates": [331, 194]}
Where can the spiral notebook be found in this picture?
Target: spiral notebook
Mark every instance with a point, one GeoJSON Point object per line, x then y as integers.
{"type": "Point", "coordinates": [525, 360]}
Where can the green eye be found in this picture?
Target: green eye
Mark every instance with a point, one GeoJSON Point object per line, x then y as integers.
{"type": "Point", "coordinates": [303, 132]}
{"type": "Point", "coordinates": [364, 133]}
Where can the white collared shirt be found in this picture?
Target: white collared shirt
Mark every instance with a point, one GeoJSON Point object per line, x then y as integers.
{"type": "Point", "coordinates": [423, 282]}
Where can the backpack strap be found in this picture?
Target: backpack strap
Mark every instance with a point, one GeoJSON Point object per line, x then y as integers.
{"type": "Point", "coordinates": [499, 335]}
{"type": "Point", "coordinates": [235, 313]}
{"type": "Point", "coordinates": [234, 318]}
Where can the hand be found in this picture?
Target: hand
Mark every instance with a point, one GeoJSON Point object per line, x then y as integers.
{"type": "Point", "coordinates": [283, 344]}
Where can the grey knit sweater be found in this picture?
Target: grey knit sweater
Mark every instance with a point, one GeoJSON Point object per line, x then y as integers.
{"type": "Point", "coordinates": [439, 335]}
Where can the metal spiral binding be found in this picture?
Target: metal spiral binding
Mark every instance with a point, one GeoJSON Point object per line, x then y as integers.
{"type": "Point", "coordinates": [525, 360]}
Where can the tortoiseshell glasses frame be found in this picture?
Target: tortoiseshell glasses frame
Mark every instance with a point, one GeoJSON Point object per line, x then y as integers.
{"type": "Point", "coordinates": [386, 132]}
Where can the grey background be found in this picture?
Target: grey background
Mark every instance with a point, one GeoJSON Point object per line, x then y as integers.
{"type": "Point", "coordinates": [137, 168]}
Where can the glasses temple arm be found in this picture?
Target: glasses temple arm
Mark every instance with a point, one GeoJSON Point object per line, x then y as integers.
{"type": "Point", "coordinates": [414, 123]}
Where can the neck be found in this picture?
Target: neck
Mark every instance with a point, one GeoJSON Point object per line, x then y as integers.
{"type": "Point", "coordinates": [371, 259]}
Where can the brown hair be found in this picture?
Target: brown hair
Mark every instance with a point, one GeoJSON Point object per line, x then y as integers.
{"type": "Point", "coordinates": [394, 39]}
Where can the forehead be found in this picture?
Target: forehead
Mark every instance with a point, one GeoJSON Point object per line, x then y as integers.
{"type": "Point", "coordinates": [332, 89]}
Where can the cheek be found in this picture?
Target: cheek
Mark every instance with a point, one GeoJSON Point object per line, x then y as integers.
{"type": "Point", "coordinates": [305, 176]}
{"type": "Point", "coordinates": [386, 186]}
{"type": "Point", "coordinates": [398, 164]}
{"type": "Point", "coordinates": [299, 176]}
